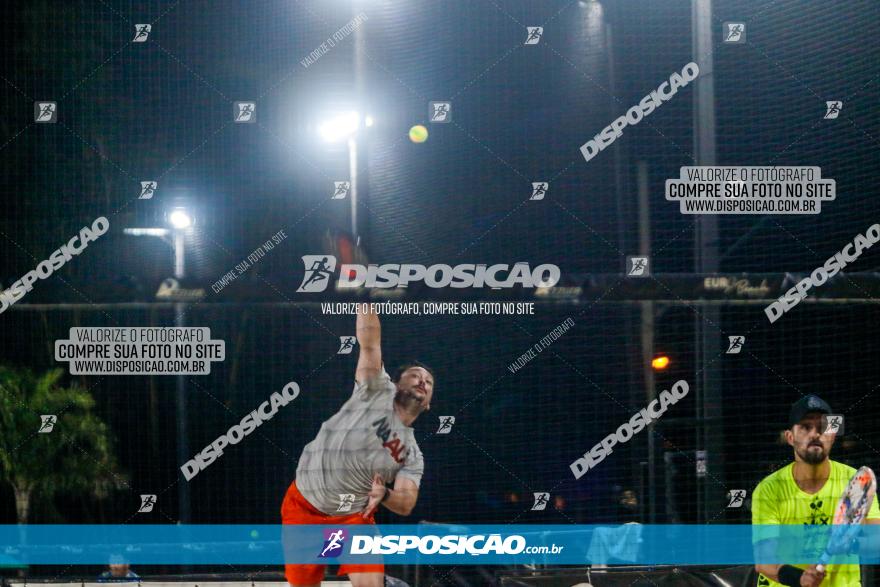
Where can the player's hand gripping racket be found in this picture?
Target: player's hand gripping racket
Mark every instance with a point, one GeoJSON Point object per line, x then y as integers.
{"type": "Point", "coordinates": [851, 511]}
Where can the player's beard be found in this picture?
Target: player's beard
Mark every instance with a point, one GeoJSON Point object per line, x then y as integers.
{"type": "Point", "coordinates": [812, 457]}
{"type": "Point", "coordinates": [408, 399]}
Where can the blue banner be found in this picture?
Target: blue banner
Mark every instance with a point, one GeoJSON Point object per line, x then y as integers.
{"type": "Point", "coordinates": [434, 544]}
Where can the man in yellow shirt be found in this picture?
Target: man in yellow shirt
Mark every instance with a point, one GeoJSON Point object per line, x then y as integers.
{"type": "Point", "coordinates": [806, 492]}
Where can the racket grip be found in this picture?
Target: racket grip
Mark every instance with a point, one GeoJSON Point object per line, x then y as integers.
{"type": "Point", "coordinates": [823, 561]}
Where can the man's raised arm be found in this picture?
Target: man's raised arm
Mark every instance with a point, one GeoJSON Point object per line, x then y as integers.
{"type": "Point", "coordinates": [369, 337]}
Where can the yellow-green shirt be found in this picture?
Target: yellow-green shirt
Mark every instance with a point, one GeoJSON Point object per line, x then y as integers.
{"type": "Point", "coordinates": [778, 500]}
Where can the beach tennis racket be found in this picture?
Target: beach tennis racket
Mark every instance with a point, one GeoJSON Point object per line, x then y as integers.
{"type": "Point", "coordinates": [346, 248]}
{"type": "Point", "coordinates": [852, 509]}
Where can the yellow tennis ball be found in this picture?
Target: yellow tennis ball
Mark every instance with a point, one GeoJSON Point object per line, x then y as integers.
{"type": "Point", "coordinates": [418, 134]}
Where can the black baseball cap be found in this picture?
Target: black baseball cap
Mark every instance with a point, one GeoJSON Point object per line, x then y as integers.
{"type": "Point", "coordinates": [806, 405]}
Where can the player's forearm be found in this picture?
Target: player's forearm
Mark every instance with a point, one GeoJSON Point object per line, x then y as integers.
{"type": "Point", "coordinates": [790, 575]}
{"type": "Point", "coordinates": [367, 329]}
{"type": "Point", "coordinates": [769, 571]}
{"type": "Point", "coordinates": [400, 502]}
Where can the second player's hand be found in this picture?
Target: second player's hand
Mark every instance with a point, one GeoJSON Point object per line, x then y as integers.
{"type": "Point", "coordinates": [812, 577]}
{"type": "Point", "coordinates": [377, 493]}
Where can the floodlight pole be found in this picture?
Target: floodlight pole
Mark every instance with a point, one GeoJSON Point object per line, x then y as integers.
{"type": "Point", "coordinates": [707, 339]}
{"type": "Point", "coordinates": [353, 182]}
{"type": "Point", "coordinates": [183, 493]}
{"type": "Point", "coordinates": [358, 74]}
{"type": "Point", "coordinates": [177, 243]}
{"type": "Point", "coordinates": [647, 487]}
{"type": "Point", "coordinates": [179, 265]}
{"type": "Point", "coordinates": [646, 335]}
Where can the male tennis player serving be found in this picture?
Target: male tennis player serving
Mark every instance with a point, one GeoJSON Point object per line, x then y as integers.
{"type": "Point", "coordinates": [365, 445]}
{"type": "Point", "coordinates": [806, 492]}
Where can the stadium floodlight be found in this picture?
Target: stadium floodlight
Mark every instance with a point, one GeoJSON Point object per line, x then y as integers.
{"type": "Point", "coordinates": [340, 127]}
{"type": "Point", "coordinates": [180, 219]}
{"type": "Point", "coordinates": [345, 127]}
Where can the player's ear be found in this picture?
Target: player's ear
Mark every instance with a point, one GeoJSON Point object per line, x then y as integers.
{"type": "Point", "coordinates": [788, 435]}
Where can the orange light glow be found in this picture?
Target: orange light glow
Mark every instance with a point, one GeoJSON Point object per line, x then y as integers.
{"type": "Point", "coordinates": [660, 363]}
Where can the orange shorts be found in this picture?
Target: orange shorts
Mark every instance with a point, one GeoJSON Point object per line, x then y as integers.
{"type": "Point", "coordinates": [297, 510]}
